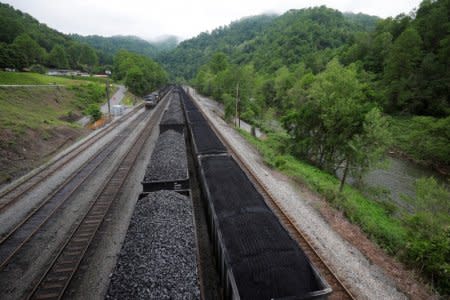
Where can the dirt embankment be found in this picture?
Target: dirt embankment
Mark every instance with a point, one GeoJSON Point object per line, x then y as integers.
{"type": "Point", "coordinates": [21, 153]}
{"type": "Point", "coordinates": [35, 123]}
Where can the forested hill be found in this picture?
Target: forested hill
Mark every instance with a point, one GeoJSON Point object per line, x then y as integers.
{"type": "Point", "coordinates": [109, 46]}
{"type": "Point", "coordinates": [14, 22]}
{"type": "Point", "coordinates": [185, 60]}
{"type": "Point", "coordinates": [27, 43]}
{"type": "Point", "coordinates": [270, 41]}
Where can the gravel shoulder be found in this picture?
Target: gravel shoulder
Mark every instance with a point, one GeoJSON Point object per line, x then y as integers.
{"type": "Point", "coordinates": [366, 279]}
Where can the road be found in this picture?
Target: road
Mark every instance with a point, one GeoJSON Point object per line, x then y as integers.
{"type": "Point", "coordinates": [114, 100]}
{"type": "Point", "coordinates": [219, 110]}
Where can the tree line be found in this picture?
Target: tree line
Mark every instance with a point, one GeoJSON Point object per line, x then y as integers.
{"type": "Point", "coordinates": [139, 73]}
{"type": "Point", "coordinates": [25, 43]}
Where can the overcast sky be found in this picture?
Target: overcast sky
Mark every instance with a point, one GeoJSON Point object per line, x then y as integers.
{"type": "Point", "coordinates": [153, 18]}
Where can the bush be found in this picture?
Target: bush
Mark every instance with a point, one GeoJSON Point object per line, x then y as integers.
{"type": "Point", "coordinates": [38, 69]}
{"type": "Point", "coordinates": [93, 110]}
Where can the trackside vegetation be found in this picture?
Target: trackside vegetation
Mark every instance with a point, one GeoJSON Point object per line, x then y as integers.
{"type": "Point", "coordinates": [420, 239]}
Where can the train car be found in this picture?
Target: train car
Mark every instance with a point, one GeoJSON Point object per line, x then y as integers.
{"type": "Point", "coordinates": [173, 117]}
{"type": "Point", "coordinates": [257, 258]}
{"type": "Point", "coordinates": [151, 100]}
{"type": "Point", "coordinates": [168, 166]}
{"type": "Point", "coordinates": [255, 255]}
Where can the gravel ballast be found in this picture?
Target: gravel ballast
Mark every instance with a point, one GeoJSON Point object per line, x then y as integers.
{"type": "Point", "coordinates": [169, 158]}
{"type": "Point", "coordinates": [158, 257]}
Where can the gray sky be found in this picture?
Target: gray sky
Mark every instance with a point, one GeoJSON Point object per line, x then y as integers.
{"type": "Point", "coordinates": [150, 19]}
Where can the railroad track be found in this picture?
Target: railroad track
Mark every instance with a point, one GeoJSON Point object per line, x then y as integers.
{"type": "Point", "coordinates": [24, 186]}
{"type": "Point", "coordinates": [56, 279]}
{"type": "Point", "coordinates": [340, 291]}
{"type": "Point", "coordinates": [16, 238]}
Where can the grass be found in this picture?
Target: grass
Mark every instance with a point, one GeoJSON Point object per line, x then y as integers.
{"type": "Point", "coordinates": [28, 78]}
{"type": "Point", "coordinates": [427, 249]}
{"type": "Point", "coordinates": [129, 99]}
{"type": "Point", "coordinates": [24, 108]}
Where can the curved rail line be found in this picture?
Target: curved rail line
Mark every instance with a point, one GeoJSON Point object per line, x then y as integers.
{"type": "Point", "coordinates": [340, 291]}
{"type": "Point", "coordinates": [38, 217]}
{"type": "Point", "coordinates": [23, 186]}
{"type": "Point", "coordinates": [56, 279]}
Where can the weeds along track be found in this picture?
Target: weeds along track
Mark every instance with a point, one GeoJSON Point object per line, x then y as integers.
{"type": "Point", "coordinates": [340, 291]}
{"type": "Point", "coordinates": [11, 195]}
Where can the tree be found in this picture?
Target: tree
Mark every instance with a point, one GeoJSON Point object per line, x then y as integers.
{"type": "Point", "coordinates": [218, 62]}
{"type": "Point", "coordinates": [33, 53]}
{"type": "Point", "coordinates": [401, 66]}
{"type": "Point", "coordinates": [335, 127]}
{"type": "Point", "coordinates": [82, 56]}
{"type": "Point", "coordinates": [58, 58]}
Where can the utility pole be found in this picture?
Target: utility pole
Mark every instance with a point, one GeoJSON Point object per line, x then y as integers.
{"type": "Point", "coordinates": [237, 122]}
{"type": "Point", "coordinates": [108, 73]}
{"type": "Point", "coordinates": [107, 97]}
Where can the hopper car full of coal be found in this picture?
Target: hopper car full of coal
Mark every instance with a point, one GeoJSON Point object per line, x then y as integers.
{"type": "Point", "coordinates": [255, 255]}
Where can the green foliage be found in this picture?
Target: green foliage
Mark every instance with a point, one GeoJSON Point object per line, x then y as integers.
{"type": "Point", "coordinates": [87, 94]}
{"type": "Point", "coordinates": [40, 79]}
{"type": "Point", "coordinates": [38, 69]}
{"type": "Point", "coordinates": [31, 50]}
{"type": "Point", "coordinates": [426, 139]}
{"type": "Point", "coordinates": [420, 240]}
{"type": "Point", "coordinates": [82, 56]}
{"type": "Point", "coordinates": [141, 74]}
{"type": "Point", "coordinates": [108, 47]}
{"type": "Point", "coordinates": [335, 124]}
{"type": "Point", "coordinates": [24, 41]}
{"type": "Point", "coordinates": [429, 248]}
{"type": "Point", "coordinates": [93, 110]}
{"type": "Point", "coordinates": [58, 58]}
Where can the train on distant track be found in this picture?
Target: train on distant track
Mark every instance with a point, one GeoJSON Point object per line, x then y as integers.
{"type": "Point", "coordinates": [152, 99]}
{"type": "Point", "coordinates": [255, 255]}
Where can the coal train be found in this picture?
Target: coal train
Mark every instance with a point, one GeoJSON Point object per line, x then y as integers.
{"type": "Point", "coordinates": [255, 255]}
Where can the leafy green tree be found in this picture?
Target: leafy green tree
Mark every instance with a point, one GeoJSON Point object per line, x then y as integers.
{"type": "Point", "coordinates": [141, 74]}
{"type": "Point", "coordinates": [31, 50]}
{"type": "Point", "coordinates": [218, 62]}
{"type": "Point", "coordinates": [334, 127]}
{"type": "Point", "coordinates": [400, 75]}
{"type": "Point", "coordinates": [82, 56]}
{"type": "Point", "coordinates": [58, 58]}
{"type": "Point", "coordinates": [136, 82]}
{"type": "Point", "coordinates": [93, 110]}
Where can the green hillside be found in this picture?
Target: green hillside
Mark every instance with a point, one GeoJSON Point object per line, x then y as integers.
{"type": "Point", "coordinates": [27, 43]}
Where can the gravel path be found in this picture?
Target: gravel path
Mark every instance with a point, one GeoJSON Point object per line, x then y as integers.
{"type": "Point", "coordinates": [367, 281]}
{"type": "Point", "coordinates": [158, 257]}
{"type": "Point", "coordinates": [169, 159]}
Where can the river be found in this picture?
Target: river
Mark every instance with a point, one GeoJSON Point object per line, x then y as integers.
{"type": "Point", "coordinates": [399, 177]}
